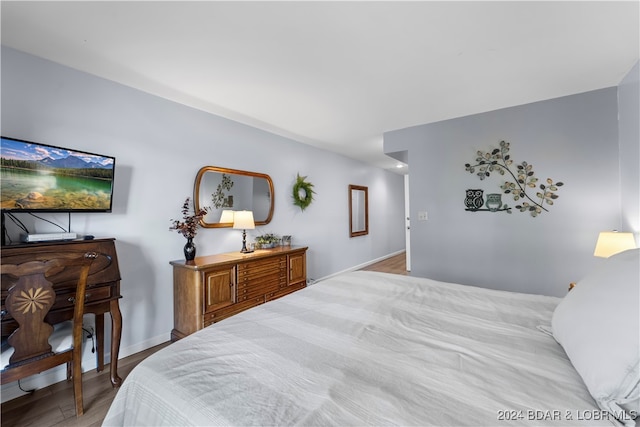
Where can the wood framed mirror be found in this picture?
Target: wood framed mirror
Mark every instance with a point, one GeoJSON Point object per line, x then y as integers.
{"type": "Point", "coordinates": [223, 190]}
{"type": "Point", "coordinates": [358, 210]}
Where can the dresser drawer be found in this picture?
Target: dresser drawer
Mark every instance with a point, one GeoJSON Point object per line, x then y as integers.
{"type": "Point", "coordinates": [257, 282]}
{"type": "Point", "coordinates": [285, 290]}
{"type": "Point", "coordinates": [251, 276]}
{"type": "Point", "coordinates": [242, 298]}
{"type": "Point", "coordinates": [91, 295]}
{"type": "Point", "coordinates": [241, 305]}
{"type": "Point", "coordinates": [262, 266]}
{"type": "Point", "coordinates": [263, 262]}
{"type": "Point", "coordinates": [261, 291]}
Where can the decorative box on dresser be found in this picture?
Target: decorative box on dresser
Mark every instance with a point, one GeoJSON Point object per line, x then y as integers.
{"type": "Point", "coordinates": [214, 287]}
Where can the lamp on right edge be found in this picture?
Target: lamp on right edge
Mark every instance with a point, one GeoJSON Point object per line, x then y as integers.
{"type": "Point", "coordinates": [611, 242]}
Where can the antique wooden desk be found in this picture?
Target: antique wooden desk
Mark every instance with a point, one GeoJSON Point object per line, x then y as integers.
{"type": "Point", "coordinates": [102, 295]}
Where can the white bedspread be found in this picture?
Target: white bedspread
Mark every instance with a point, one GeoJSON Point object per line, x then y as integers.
{"type": "Point", "coordinates": [366, 348]}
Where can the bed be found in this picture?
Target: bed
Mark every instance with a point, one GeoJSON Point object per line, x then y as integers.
{"type": "Point", "coordinates": [367, 348]}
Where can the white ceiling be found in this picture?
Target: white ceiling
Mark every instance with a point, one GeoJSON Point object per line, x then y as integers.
{"type": "Point", "coordinates": [337, 74]}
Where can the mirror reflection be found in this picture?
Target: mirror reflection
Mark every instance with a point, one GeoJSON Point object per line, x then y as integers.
{"type": "Point", "coordinates": [358, 210]}
{"type": "Point", "coordinates": [223, 191]}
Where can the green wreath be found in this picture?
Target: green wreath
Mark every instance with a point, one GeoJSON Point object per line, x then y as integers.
{"type": "Point", "coordinates": [302, 201]}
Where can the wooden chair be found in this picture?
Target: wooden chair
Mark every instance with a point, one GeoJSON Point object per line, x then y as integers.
{"type": "Point", "coordinates": [28, 301]}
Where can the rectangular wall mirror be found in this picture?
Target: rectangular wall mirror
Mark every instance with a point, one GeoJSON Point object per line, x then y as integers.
{"type": "Point", "coordinates": [222, 191]}
{"type": "Point", "coordinates": [358, 210]}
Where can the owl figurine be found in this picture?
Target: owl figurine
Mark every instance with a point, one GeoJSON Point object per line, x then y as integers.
{"type": "Point", "coordinates": [474, 199]}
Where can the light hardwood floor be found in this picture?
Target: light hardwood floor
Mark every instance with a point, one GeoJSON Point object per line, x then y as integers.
{"type": "Point", "coordinates": [54, 405]}
{"type": "Point", "coordinates": [396, 264]}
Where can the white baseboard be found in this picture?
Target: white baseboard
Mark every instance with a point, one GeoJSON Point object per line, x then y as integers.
{"type": "Point", "coordinates": [141, 346]}
{"type": "Point", "coordinates": [359, 266]}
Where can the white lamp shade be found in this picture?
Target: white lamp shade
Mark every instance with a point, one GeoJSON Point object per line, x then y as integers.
{"type": "Point", "coordinates": [243, 220]}
{"type": "Point", "coordinates": [611, 242]}
{"type": "Point", "coordinates": [227, 216]}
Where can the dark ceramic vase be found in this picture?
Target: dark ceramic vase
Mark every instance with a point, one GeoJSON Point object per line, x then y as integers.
{"type": "Point", "coordinates": [189, 249]}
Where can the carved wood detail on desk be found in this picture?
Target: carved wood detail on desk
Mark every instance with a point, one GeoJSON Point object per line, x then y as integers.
{"type": "Point", "coordinates": [102, 294]}
{"type": "Point", "coordinates": [211, 288]}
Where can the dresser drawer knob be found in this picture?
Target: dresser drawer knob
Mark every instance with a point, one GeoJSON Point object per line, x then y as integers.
{"type": "Point", "coordinates": [73, 299]}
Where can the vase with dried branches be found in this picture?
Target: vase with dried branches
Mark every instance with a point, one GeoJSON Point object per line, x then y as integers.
{"type": "Point", "coordinates": [188, 227]}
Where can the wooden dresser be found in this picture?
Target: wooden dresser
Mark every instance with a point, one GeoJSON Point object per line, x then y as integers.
{"type": "Point", "coordinates": [211, 288]}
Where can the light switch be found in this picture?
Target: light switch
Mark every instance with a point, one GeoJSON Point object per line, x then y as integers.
{"type": "Point", "coordinates": [422, 216]}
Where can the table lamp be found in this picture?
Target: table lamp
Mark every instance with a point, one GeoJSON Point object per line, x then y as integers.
{"type": "Point", "coordinates": [243, 220]}
{"type": "Point", "coordinates": [226, 217]}
{"type": "Point", "coordinates": [612, 242]}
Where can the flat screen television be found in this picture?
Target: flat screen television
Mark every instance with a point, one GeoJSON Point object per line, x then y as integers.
{"type": "Point", "coordinates": [37, 177]}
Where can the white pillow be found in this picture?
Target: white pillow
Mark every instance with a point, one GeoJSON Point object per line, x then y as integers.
{"type": "Point", "coordinates": [598, 325]}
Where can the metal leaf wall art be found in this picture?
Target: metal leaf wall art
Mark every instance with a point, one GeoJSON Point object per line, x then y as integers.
{"type": "Point", "coordinates": [499, 160]}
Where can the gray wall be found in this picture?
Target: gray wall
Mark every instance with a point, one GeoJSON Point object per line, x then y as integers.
{"type": "Point", "coordinates": [629, 111]}
{"type": "Point", "coordinates": [572, 139]}
{"type": "Point", "coordinates": [159, 147]}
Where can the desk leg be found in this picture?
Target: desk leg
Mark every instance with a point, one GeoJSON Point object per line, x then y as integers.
{"type": "Point", "coordinates": [116, 333]}
{"type": "Point", "coordinates": [100, 341]}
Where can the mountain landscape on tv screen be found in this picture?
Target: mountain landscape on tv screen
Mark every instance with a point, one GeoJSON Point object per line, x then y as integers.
{"type": "Point", "coordinates": [71, 162]}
